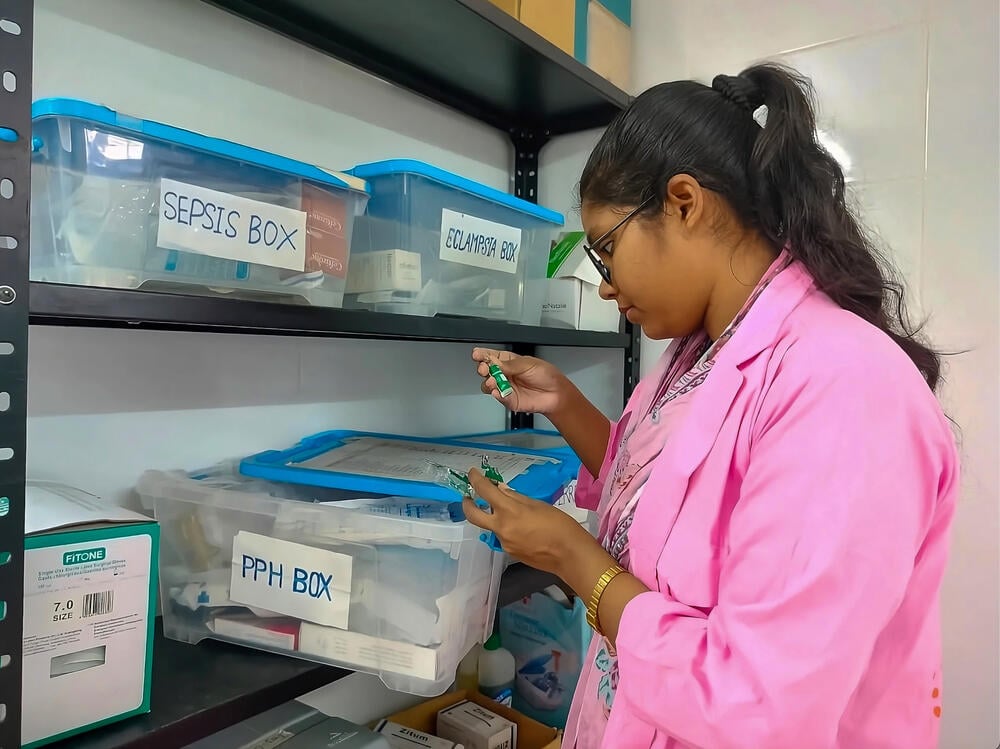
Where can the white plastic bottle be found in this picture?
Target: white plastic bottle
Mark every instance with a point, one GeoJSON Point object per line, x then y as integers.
{"type": "Point", "coordinates": [497, 672]}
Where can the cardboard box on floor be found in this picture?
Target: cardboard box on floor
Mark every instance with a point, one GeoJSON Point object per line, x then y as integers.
{"type": "Point", "coordinates": [530, 733]}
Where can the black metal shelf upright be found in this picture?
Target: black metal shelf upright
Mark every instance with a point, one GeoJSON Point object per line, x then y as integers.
{"type": "Point", "coordinates": [467, 55]}
{"type": "Point", "coordinates": [15, 134]}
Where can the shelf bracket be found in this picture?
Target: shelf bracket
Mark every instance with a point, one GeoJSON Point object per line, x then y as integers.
{"type": "Point", "coordinates": [527, 144]}
{"type": "Point", "coordinates": [517, 420]}
{"type": "Point", "coordinates": [633, 360]}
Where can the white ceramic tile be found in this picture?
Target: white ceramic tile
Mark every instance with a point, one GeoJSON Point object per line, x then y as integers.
{"type": "Point", "coordinates": [893, 211]}
{"type": "Point", "coordinates": [659, 42]}
{"type": "Point", "coordinates": [961, 283]}
{"type": "Point", "coordinates": [872, 100]}
{"type": "Point", "coordinates": [970, 626]}
{"type": "Point", "coordinates": [963, 130]}
{"type": "Point", "coordinates": [733, 33]}
{"type": "Point", "coordinates": [961, 258]}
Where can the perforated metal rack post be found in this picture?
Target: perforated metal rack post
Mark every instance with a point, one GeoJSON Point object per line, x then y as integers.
{"type": "Point", "coordinates": [15, 135]}
{"type": "Point", "coordinates": [527, 143]}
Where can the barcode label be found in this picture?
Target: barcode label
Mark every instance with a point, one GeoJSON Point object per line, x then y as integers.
{"type": "Point", "coordinates": [98, 604]}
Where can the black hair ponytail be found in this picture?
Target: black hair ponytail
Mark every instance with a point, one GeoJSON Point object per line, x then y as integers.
{"type": "Point", "coordinates": [752, 139]}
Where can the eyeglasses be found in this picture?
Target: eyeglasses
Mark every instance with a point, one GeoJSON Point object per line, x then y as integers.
{"type": "Point", "coordinates": [591, 249]}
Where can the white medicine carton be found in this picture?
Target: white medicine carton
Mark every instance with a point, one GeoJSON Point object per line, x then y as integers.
{"type": "Point", "coordinates": [385, 271]}
{"type": "Point", "coordinates": [90, 573]}
{"type": "Point", "coordinates": [475, 727]}
{"type": "Point", "coordinates": [572, 299]}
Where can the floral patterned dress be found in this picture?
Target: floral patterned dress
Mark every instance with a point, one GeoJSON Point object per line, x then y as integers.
{"type": "Point", "coordinates": [640, 443]}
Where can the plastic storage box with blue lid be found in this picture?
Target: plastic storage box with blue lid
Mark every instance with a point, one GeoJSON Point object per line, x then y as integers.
{"type": "Point", "coordinates": [433, 242]}
{"type": "Point", "coordinates": [129, 203]}
{"type": "Point", "coordinates": [388, 464]}
{"type": "Point", "coordinates": [391, 586]}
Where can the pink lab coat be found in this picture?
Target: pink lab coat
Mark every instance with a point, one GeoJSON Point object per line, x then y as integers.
{"type": "Point", "coordinates": [793, 534]}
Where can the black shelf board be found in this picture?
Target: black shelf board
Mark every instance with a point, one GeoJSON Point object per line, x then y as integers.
{"type": "Point", "coordinates": [466, 54]}
{"type": "Point", "coordinates": [58, 304]}
{"type": "Point", "coordinates": [201, 689]}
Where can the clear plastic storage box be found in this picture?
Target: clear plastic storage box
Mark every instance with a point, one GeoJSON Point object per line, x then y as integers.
{"type": "Point", "coordinates": [118, 201]}
{"type": "Point", "coordinates": [396, 587]}
{"type": "Point", "coordinates": [433, 242]}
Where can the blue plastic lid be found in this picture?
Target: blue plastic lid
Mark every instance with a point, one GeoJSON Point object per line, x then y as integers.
{"type": "Point", "coordinates": [544, 481]}
{"type": "Point", "coordinates": [83, 110]}
{"type": "Point", "coordinates": [421, 169]}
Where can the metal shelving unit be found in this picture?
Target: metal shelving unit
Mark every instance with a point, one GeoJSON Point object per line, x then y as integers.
{"type": "Point", "coordinates": [467, 55]}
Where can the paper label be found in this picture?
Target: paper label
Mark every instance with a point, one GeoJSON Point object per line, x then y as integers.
{"type": "Point", "coordinates": [291, 579]}
{"type": "Point", "coordinates": [86, 613]}
{"type": "Point", "coordinates": [474, 241]}
{"type": "Point", "coordinates": [209, 222]}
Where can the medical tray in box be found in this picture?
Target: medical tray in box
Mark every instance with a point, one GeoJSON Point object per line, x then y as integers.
{"type": "Point", "coordinates": [544, 442]}
{"type": "Point", "coordinates": [119, 201]}
{"type": "Point", "coordinates": [448, 245]}
{"type": "Point", "coordinates": [398, 465]}
{"type": "Point", "coordinates": [386, 585]}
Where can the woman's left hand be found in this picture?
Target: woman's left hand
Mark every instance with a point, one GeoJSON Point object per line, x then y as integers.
{"type": "Point", "coordinates": [548, 539]}
{"type": "Point", "coordinates": [531, 531]}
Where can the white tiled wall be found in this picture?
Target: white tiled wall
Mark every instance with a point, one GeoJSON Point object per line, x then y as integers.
{"type": "Point", "coordinates": [909, 90]}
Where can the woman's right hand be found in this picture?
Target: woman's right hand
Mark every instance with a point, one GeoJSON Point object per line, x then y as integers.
{"type": "Point", "coordinates": [539, 387]}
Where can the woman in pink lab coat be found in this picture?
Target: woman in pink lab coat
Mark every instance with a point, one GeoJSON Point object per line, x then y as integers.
{"type": "Point", "coordinates": [776, 498]}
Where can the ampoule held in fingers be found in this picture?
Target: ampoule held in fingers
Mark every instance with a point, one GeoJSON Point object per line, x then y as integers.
{"type": "Point", "coordinates": [503, 384]}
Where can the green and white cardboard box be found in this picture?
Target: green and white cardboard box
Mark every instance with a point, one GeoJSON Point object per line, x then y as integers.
{"type": "Point", "coordinates": [89, 604]}
{"type": "Point", "coordinates": [572, 300]}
